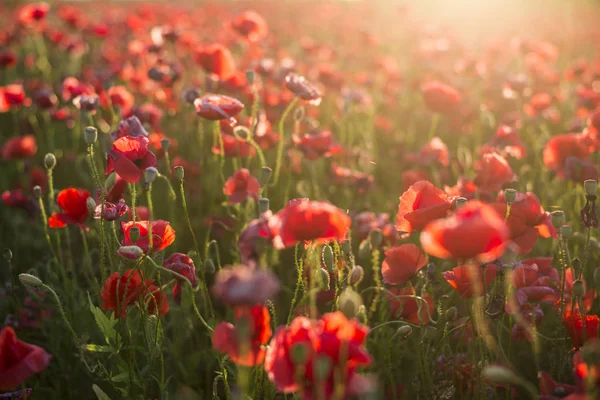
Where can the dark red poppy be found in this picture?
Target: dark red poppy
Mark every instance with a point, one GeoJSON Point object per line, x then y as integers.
{"type": "Point", "coordinates": [470, 280]}
{"type": "Point", "coordinates": [8, 58]}
{"type": "Point", "coordinates": [19, 360]}
{"type": "Point", "coordinates": [216, 107]}
{"type": "Point", "coordinates": [586, 371]}
{"type": "Point", "coordinates": [581, 331]}
{"type": "Point", "coordinates": [19, 147]}
{"type": "Point", "coordinates": [120, 98]}
{"type": "Point", "coordinates": [534, 283]}
{"type": "Point", "coordinates": [111, 211]}
{"type": "Point", "coordinates": [215, 59]}
{"type": "Point", "coordinates": [561, 147]}
{"type": "Point", "coordinates": [131, 126]}
{"type": "Point", "coordinates": [474, 231]}
{"type": "Point", "coordinates": [322, 342]}
{"type": "Point", "coordinates": [73, 202]}
{"type": "Point", "coordinates": [244, 347]}
{"type": "Point", "coordinates": [234, 147]}
{"type": "Point", "coordinates": [163, 235]}
{"type": "Point", "coordinates": [404, 305]}
{"type": "Point", "coordinates": [305, 220]}
{"type": "Point", "coordinates": [506, 141]}
{"type": "Point", "coordinates": [366, 221]}
{"type": "Point", "coordinates": [303, 89]}
{"type": "Point", "coordinates": [241, 186]}
{"type": "Point", "coordinates": [362, 181]}
{"type": "Point", "coordinates": [317, 144]}
{"type": "Point", "coordinates": [45, 99]}
{"type": "Point", "coordinates": [242, 285]}
{"type": "Point", "coordinates": [421, 204]}
{"type": "Point", "coordinates": [183, 265]}
{"type": "Point", "coordinates": [401, 263]}
{"type": "Point", "coordinates": [493, 171]}
{"type": "Point", "coordinates": [31, 13]}
{"type": "Point", "coordinates": [14, 95]}
{"type": "Point", "coordinates": [250, 25]}
{"type": "Point", "coordinates": [440, 98]}
{"type": "Point", "coordinates": [548, 387]}
{"type": "Point", "coordinates": [130, 157]}
{"type": "Point", "coordinates": [579, 171]}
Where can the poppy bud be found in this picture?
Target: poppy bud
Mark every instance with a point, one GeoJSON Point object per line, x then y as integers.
{"type": "Point", "coordinates": [7, 254]}
{"type": "Point", "coordinates": [510, 195]}
{"type": "Point", "coordinates": [597, 276]}
{"type": "Point", "coordinates": [30, 280]}
{"type": "Point", "coordinates": [578, 288]}
{"type": "Point", "coordinates": [179, 172]}
{"type": "Point", "coordinates": [322, 366]}
{"type": "Point", "coordinates": [364, 250]}
{"type": "Point", "coordinates": [242, 132]}
{"type": "Point", "coordinates": [134, 234]}
{"type": "Point", "coordinates": [263, 205]}
{"type": "Point", "coordinates": [131, 253]}
{"type": "Point", "coordinates": [590, 186]}
{"type": "Point", "coordinates": [323, 279]}
{"type": "Point", "coordinates": [150, 174]}
{"type": "Point", "coordinates": [165, 144]}
{"type": "Point", "coordinates": [404, 331]}
{"type": "Point", "coordinates": [299, 353]}
{"type": "Point", "coordinates": [459, 202]}
{"type": "Point", "coordinates": [566, 231]}
{"type": "Point", "coordinates": [91, 205]}
{"type": "Point", "coordinates": [500, 375]}
{"type": "Point", "coordinates": [250, 76]}
{"type": "Point", "coordinates": [90, 134]}
{"type": "Point", "coordinates": [451, 313]}
{"type": "Point", "coordinates": [209, 266]}
{"type": "Point", "coordinates": [49, 161]}
{"type": "Point", "coordinates": [558, 218]}
{"type": "Point", "coordinates": [356, 275]}
{"type": "Point", "coordinates": [299, 114]}
{"type": "Point", "coordinates": [350, 302]}
{"type": "Point", "coordinates": [376, 237]}
{"type": "Point", "coordinates": [327, 257]}
{"type": "Point", "coordinates": [430, 333]}
{"type": "Point", "coordinates": [37, 191]}
{"type": "Point", "coordinates": [345, 246]}
{"type": "Point", "coordinates": [264, 175]}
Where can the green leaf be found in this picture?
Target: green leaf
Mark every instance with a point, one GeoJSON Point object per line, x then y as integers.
{"type": "Point", "coordinates": [96, 348]}
{"type": "Point", "coordinates": [106, 324]}
{"type": "Point", "coordinates": [122, 377]}
{"type": "Point", "coordinates": [100, 393]}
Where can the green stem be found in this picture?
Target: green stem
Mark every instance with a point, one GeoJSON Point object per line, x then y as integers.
{"type": "Point", "coordinates": [280, 145]}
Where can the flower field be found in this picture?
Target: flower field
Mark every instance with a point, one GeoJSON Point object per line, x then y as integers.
{"type": "Point", "coordinates": [299, 200]}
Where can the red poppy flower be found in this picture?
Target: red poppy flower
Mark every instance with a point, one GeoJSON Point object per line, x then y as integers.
{"type": "Point", "coordinates": [560, 147]}
{"type": "Point", "coordinates": [155, 299]}
{"type": "Point", "coordinates": [362, 181]}
{"type": "Point", "coordinates": [216, 107]}
{"type": "Point", "coordinates": [250, 25]}
{"type": "Point", "coordinates": [586, 371]}
{"type": "Point", "coordinates": [440, 98]}
{"type": "Point", "coordinates": [19, 147]}
{"type": "Point", "coordinates": [404, 305]}
{"type": "Point", "coordinates": [111, 211]}
{"type": "Point", "coordinates": [534, 283]}
{"type": "Point", "coordinates": [317, 144]}
{"type": "Point", "coordinates": [493, 171]}
{"type": "Point", "coordinates": [19, 360]}
{"type": "Point", "coordinates": [241, 186]}
{"type": "Point", "coordinates": [122, 291]}
{"type": "Point", "coordinates": [538, 103]}
{"type": "Point", "coordinates": [579, 332]}
{"type": "Point", "coordinates": [32, 13]}
{"type": "Point", "coordinates": [579, 171]}
{"type": "Point", "coordinates": [8, 58]}
{"type": "Point", "coordinates": [244, 347]}
{"type": "Point", "coordinates": [412, 176]}
{"type": "Point", "coordinates": [305, 220]}
{"type": "Point", "coordinates": [234, 147]}
{"type": "Point", "coordinates": [120, 98]}
{"type": "Point", "coordinates": [419, 205]}
{"type": "Point", "coordinates": [163, 235]}
{"type": "Point", "coordinates": [183, 265]}
{"type": "Point", "coordinates": [506, 141]}
{"type": "Point", "coordinates": [474, 231]}
{"type": "Point", "coordinates": [130, 157]}
{"type": "Point", "coordinates": [401, 263]}
{"type": "Point", "coordinates": [466, 278]}
{"type": "Point", "coordinates": [303, 89]}
{"type": "Point", "coordinates": [215, 59]}
{"type": "Point", "coordinates": [73, 202]}
{"type": "Point", "coordinates": [333, 340]}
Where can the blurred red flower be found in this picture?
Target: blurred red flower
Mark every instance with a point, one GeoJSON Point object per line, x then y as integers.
{"type": "Point", "coordinates": [404, 304]}
{"type": "Point", "coordinates": [216, 107]}
{"type": "Point", "coordinates": [234, 147]}
{"type": "Point", "coordinates": [401, 263]}
{"type": "Point", "coordinates": [240, 186]}
{"type": "Point", "coordinates": [421, 204]}
{"type": "Point", "coordinates": [470, 280]}
{"type": "Point", "coordinates": [19, 360]}
{"type": "Point", "coordinates": [440, 98]}
{"type": "Point", "coordinates": [32, 13]}
{"type": "Point", "coordinates": [215, 59]}
{"type": "Point", "coordinates": [316, 144]}
{"type": "Point", "coordinates": [580, 329]}
{"type": "Point", "coordinates": [120, 98]}
{"type": "Point", "coordinates": [163, 235]}
{"type": "Point", "coordinates": [183, 265]}
{"type": "Point", "coordinates": [130, 157]}
{"type": "Point", "coordinates": [121, 291]}
{"type": "Point", "coordinates": [493, 171]}
{"type": "Point", "coordinates": [19, 147]}
{"type": "Point", "coordinates": [73, 202]}
{"type": "Point", "coordinates": [250, 25]}
{"type": "Point", "coordinates": [560, 147]}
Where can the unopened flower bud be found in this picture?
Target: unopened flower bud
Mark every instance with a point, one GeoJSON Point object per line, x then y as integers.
{"type": "Point", "coordinates": [510, 195]}
{"type": "Point", "coordinates": [430, 333]}
{"type": "Point", "coordinates": [209, 266]}
{"type": "Point", "coordinates": [179, 172]}
{"type": "Point", "coordinates": [150, 174]}
{"type": "Point", "coordinates": [451, 313]}
{"type": "Point", "coordinates": [322, 366]}
{"type": "Point", "coordinates": [500, 375]}
{"type": "Point", "coordinates": [578, 288]}
{"type": "Point", "coordinates": [376, 238]}
{"type": "Point", "coordinates": [50, 161]}
{"type": "Point", "coordinates": [91, 205]}
{"type": "Point", "coordinates": [7, 254]}
{"type": "Point", "coordinates": [346, 247]}
{"type": "Point", "coordinates": [165, 144]}
{"type": "Point", "coordinates": [90, 134]}
{"type": "Point", "coordinates": [356, 275]}
{"type": "Point", "coordinates": [327, 257]}
{"type": "Point", "coordinates": [30, 280]}
{"type": "Point", "coordinates": [404, 331]}
{"type": "Point", "coordinates": [131, 253]}
{"type": "Point", "coordinates": [590, 186]}
{"type": "Point", "coordinates": [264, 176]}
{"type": "Point", "coordinates": [557, 218]}
{"type": "Point", "coordinates": [299, 353]}
{"type": "Point", "coordinates": [250, 76]}
{"type": "Point", "coordinates": [364, 250]}
{"type": "Point", "coordinates": [37, 191]}
{"type": "Point", "coordinates": [263, 205]}
{"type": "Point", "coordinates": [134, 234]}
{"type": "Point", "coordinates": [323, 279]}
{"type": "Point", "coordinates": [350, 302]}
{"type": "Point", "coordinates": [461, 201]}
{"type": "Point", "coordinates": [566, 231]}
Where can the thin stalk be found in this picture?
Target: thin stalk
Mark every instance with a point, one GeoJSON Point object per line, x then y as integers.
{"type": "Point", "coordinates": [280, 145]}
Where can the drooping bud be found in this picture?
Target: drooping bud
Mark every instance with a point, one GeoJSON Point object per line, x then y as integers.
{"type": "Point", "coordinates": [510, 195]}
{"type": "Point", "coordinates": [578, 288]}
{"type": "Point", "coordinates": [458, 203]}
{"type": "Point", "coordinates": [323, 279]}
{"type": "Point", "coordinates": [209, 266]}
{"type": "Point", "coordinates": [404, 331]}
{"type": "Point", "coordinates": [7, 254]}
{"type": "Point", "coordinates": [130, 253]}
{"type": "Point", "coordinates": [590, 186]}
{"type": "Point", "coordinates": [566, 231]}
{"type": "Point", "coordinates": [364, 250]}
{"type": "Point", "coordinates": [150, 174]}
{"type": "Point", "coordinates": [451, 313]}
{"type": "Point", "coordinates": [165, 144]}
{"type": "Point", "coordinates": [557, 218]}
{"type": "Point", "coordinates": [50, 161]}
{"type": "Point", "coordinates": [299, 353]}
{"type": "Point", "coordinates": [500, 375]}
{"type": "Point", "coordinates": [250, 76]}
{"type": "Point", "coordinates": [376, 238]}
{"type": "Point", "coordinates": [91, 205]}
{"type": "Point", "coordinates": [134, 234]}
{"type": "Point", "coordinates": [90, 135]}
{"type": "Point", "coordinates": [179, 172]}
{"type": "Point", "coordinates": [263, 205]}
{"type": "Point", "coordinates": [356, 275]}
{"type": "Point", "coordinates": [327, 257]}
{"type": "Point", "coordinates": [350, 302]}
{"type": "Point", "coordinates": [430, 333]}
{"type": "Point", "coordinates": [30, 280]}
{"type": "Point", "coordinates": [37, 191]}
{"type": "Point", "coordinates": [264, 176]}
{"type": "Point", "coordinates": [346, 247]}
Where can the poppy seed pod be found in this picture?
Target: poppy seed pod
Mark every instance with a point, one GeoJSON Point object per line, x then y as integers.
{"type": "Point", "coordinates": [510, 195]}
{"type": "Point", "coordinates": [461, 201]}
{"type": "Point", "coordinates": [590, 186]}
{"type": "Point", "coordinates": [323, 279]}
{"type": "Point", "coordinates": [356, 275]}
{"type": "Point", "coordinates": [150, 174]}
{"type": "Point", "coordinates": [263, 205]}
{"type": "Point", "coordinates": [30, 280]}
{"type": "Point", "coordinates": [49, 161]}
{"type": "Point", "coordinates": [557, 218]}
{"type": "Point", "coordinates": [165, 144]}
{"type": "Point", "coordinates": [7, 254]}
{"type": "Point", "coordinates": [179, 172]}
{"type": "Point", "coordinates": [90, 134]}
{"type": "Point", "coordinates": [327, 257]}
{"type": "Point", "coordinates": [350, 302]}
{"type": "Point", "coordinates": [376, 237]}
{"type": "Point", "coordinates": [37, 191]}
{"type": "Point", "coordinates": [404, 331]}
{"type": "Point", "coordinates": [264, 176]}
{"type": "Point", "coordinates": [578, 288]}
